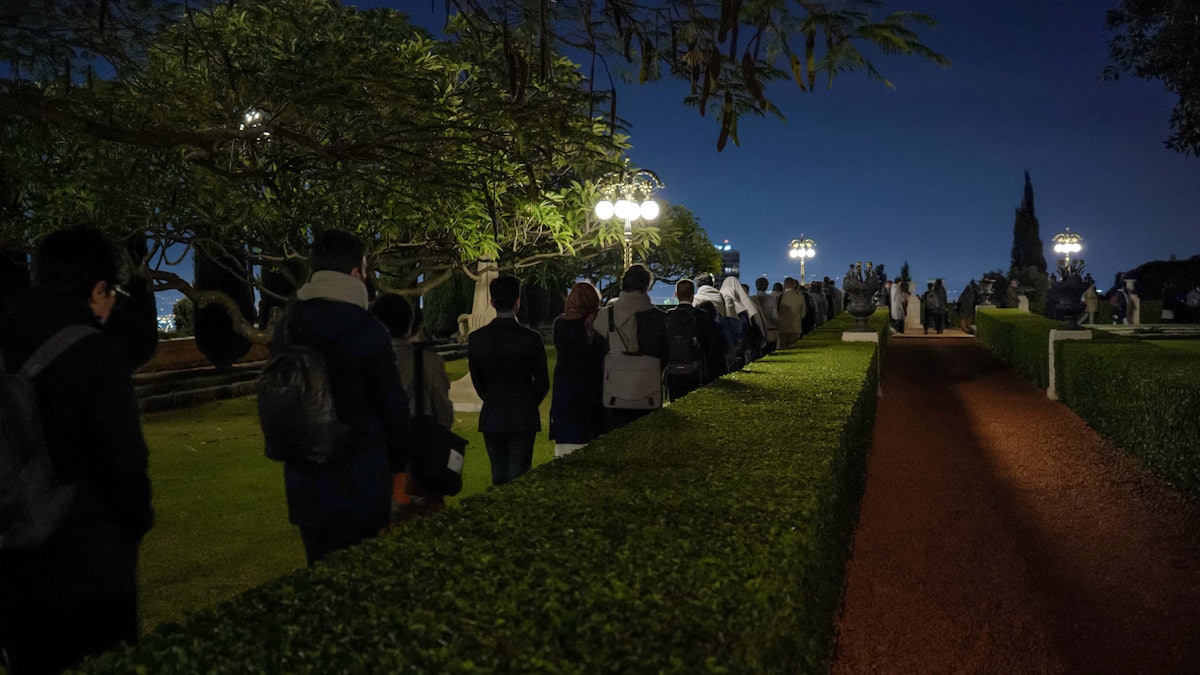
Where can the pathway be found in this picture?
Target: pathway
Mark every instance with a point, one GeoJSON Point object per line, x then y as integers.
{"type": "Point", "coordinates": [1000, 534]}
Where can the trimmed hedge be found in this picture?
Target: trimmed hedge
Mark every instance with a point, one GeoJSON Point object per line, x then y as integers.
{"type": "Point", "coordinates": [709, 536]}
{"type": "Point", "coordinates": [1144, 397]}
{"type": "Point", "coordinates": [1018, 337]}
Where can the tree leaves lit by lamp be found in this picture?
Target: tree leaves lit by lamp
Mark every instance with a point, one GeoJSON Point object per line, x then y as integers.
{"type": "Point", "coordinates": [803, 249]}
{"type": "Point", "coordinates": [627, 197]}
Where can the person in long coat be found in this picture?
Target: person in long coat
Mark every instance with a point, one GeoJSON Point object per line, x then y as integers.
{"type": "Point", "coordinates": [576, 405]}
{"type": "Point", "coordinates": [77, 594]}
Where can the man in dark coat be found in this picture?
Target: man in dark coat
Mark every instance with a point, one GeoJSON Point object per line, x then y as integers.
{"type": "Point", "coordinates": [76, 594]}
{"type": "Point", "coordinates": [508, 368]}
{"type": "Point", "coordinates": [338, 505]}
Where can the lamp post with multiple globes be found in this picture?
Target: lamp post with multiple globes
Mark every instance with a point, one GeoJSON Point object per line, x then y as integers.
{"type": "Point", "coordinates": [628, 198]}
{"type": "Point", "coordinates": [1067, 243]}
{"type": "Point", "coordinates": [803, 249]}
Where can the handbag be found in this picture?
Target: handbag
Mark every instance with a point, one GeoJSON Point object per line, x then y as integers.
{"type": "Point", "coordinates": [437, 455]}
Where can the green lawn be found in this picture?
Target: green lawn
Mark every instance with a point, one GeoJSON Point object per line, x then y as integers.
{"type": "Point", "coordinates": [1182, 345]}
{"type": "Point", "coordinates": [221, 519]}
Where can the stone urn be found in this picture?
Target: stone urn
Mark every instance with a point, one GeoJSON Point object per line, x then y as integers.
{"type": "Point", "coordinates": [861, 286]}
{"type": "Point", "coordinates": [1066, 292]}
{"type": "Point", "coordinates": [986, 288]}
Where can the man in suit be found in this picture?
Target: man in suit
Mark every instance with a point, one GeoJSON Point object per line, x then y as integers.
{"type": "Point", "coordinates": [507, 362]}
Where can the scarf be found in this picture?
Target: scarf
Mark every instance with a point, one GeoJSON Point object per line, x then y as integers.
{"type": "Point", "coordinates": [334, 286]}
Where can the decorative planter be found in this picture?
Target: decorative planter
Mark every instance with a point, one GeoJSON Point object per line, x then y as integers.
{"type": "Point", "coordinates": [861, 288]}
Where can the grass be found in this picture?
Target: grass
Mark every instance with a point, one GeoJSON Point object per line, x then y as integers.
{"type": "Point", "coordinates": [1192, 346]}
{"type": "Point", "coordinates": [221, 518]}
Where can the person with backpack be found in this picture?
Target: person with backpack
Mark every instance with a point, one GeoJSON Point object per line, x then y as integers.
{"type": "Point", "coordinates": [635, 333]}
{"type": "Point", "coordinates": [508, 367]}
{"type": "Point", "coordinates": [410, 497]}
{"type": "Point", "coordinates": [68, 585]}
{"type": "Point", "coordinates": [346, 498]}
{"type": "Point", "coordinates": [690, 338]}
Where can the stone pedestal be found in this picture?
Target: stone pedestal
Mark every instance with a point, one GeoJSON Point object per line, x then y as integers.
{"type": "Point", "coordinates": [1023, 302]}
{"type": "Point", "coordinates": [482, 311]}
{"type": "Point", "coordinates": [1057, 336]}
{"type": "Point", "coordinates": [912, 315]}
{"type": "Point", "coordinates": [463, 395]}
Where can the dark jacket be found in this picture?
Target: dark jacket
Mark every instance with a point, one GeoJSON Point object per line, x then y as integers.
{"type": "Point", "coordinates": [82, 584]}
{"type": "Point", "coordinates": [508, 368]}
{"type": "Point", "coordinates": [354, 493]}
{"type": "Point", "coordinates": [577, 411]}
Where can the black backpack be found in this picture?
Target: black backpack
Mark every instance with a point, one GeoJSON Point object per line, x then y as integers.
{"type": "Point", "coordinates": [684, 355]}
{"type": "Point", "coordinates": [295, 401]}
{"type": "Point", "coordinates": [33, 501]}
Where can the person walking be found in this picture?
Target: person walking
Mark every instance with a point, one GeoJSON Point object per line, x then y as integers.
{"type": "Point", "coordinates": [576, 412]}
{"type": "Point", "coordinates": [76, 594]}
{"type": "Point", "coordinates": [340, 504]}
{"type": "Point", "coordinates": [409, 498]}
{"type": "Point", "coordinates": [1091, 301]}
{"type": "Point", "coordinates": [896, 304]}
{"type": "Point", "coordinates": [937, 305]}
{"type": "Point", "coordinates": [508, 367]}
{"type": "Point", "coordinates": [635, 333]}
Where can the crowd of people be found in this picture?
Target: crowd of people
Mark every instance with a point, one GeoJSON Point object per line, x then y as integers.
{"type": "Point", "coordinates": [76, 593]}
{"type": "Point", "coordinates": [618, 361]}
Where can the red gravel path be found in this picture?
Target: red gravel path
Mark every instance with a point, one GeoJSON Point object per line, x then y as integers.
{"type": "Point", "coordinates": [1000, 534]}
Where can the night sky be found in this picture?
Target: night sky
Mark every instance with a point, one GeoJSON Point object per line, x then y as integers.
{"type": "Point", "coordinates": [931, 172]}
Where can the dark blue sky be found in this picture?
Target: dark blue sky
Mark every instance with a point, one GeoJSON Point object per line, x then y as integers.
{"type": "Point", "coordinates": [931, 172]}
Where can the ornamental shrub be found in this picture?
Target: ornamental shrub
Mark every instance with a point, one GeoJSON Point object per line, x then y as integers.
{"type": "Point", "coordinates": [1020, 338]}
{"type": "Point", "coordinates": [710, 536]}
{"type": "Point", "coordinates": [1143, 397]}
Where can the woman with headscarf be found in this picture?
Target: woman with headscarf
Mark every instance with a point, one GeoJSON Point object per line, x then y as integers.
{"type": "Point", "coordinates": [576, 410]}
{"type": "Point", "coordinates": [753, 330]}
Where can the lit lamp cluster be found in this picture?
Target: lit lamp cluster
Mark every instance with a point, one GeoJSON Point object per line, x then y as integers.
{"type": "Point", "coordinates": [628, 198]}
{"type": "Point", "coordinates": [1066, 243]}
{"type": "Point", "coordinates": [803, 249]}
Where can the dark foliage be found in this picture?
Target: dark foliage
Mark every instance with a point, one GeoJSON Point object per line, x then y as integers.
{"type": "Point", "coordinates": [442, 305]}
{"type": "Point", "coordinates": [14, 275]}
{"type": "Point", "coordinates": [215, 335]}
{"type": "Point", "coordinates": [1157, 40]}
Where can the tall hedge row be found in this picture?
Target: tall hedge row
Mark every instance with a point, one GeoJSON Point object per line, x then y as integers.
{"type": "Point", "coordinates": [709, 536]}
{"type": "Point", "coordinates": [1018, 337]}
{"type": "Point", "coordinates": [1144, 397]}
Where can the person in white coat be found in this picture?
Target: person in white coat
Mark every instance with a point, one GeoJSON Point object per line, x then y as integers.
{"type": "Point", "coordinates": [896, 302]}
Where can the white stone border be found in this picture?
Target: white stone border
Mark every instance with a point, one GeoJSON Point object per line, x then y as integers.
{"type": "Point", "coordinates": [1058, 335]}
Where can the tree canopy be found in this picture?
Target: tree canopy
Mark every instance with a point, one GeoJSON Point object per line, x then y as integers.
{"type": "Point", "coordinates": [726, 51]}
{"type": "Point", "coordinates": [1157, 40]}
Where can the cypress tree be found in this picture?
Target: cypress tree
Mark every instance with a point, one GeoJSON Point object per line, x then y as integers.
{"type": "Point", "coordinates": [1028, 258]}
{"type": "Point", "coordinates": [1027, 241]}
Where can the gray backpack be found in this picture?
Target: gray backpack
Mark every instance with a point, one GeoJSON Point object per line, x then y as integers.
{"type": "Point", "coordinates": [33, 501]}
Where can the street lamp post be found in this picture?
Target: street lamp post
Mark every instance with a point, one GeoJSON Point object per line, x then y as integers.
{"type": "Point", "coordinates": [1067, 288]}
{"type": "Point", "coordinates": [1067, 243]}
{"type": "Point", "coordinates": [627, 197]}
{"type": "Point", "coordinates": [803, 249]}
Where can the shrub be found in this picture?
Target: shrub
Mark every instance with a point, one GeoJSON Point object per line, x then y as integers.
{"type": "Point", "coordinates": [1020, 338]}
{"type": "Point", "coordinates": [215, 334]}
{"type": "Point", "coordinates": [185, 317]}
{"type": "Point", "coordinates": [1143, 397]}
{"type": "Point", "coordinates": [704, 537]}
